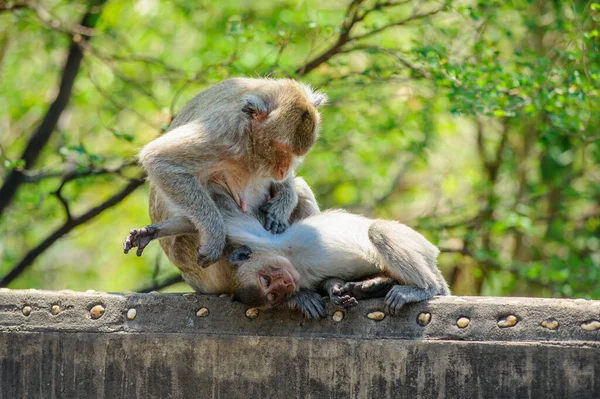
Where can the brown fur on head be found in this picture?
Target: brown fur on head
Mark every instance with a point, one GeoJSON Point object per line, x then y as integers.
{"type": "Point", "coordinates": [262, 280]}
{"type": "Point", "coordinates": [284, 125]}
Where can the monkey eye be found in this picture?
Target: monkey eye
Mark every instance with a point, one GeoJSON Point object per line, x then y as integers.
{"type": "Point", "coordinates": [265, 281]}
{"type": "Point", "coordinates": [272, 297]}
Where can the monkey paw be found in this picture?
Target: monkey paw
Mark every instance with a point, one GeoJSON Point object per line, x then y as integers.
{"type": "Point", "coordinates": [397, 297]}
{"type": "Point", "coordinates": [139, 238]}
{"type": "Point", "coordinates": [310, 304]}
{"type": "Point", "coordinates": [276, 220]}
{"type": "Point", "coordinates": [206, 257]}
{"type": "Point", "coordinates": [340, 297]}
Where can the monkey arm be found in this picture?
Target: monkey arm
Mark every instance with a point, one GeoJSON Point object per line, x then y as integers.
{"type": "Point", "coordinates": [292, 200]}
{"type": "Point", "coordinates": [279, 209]}
{"type": "Point", "coordinates": [174, 163]}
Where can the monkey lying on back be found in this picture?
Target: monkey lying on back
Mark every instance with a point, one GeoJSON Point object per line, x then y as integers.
{"type": "Point", "coordinates": [324, 250]}
{"type": "Point", "coordinates": [334, 244]}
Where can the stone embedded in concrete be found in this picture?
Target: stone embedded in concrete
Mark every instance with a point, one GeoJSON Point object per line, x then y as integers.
{"type": "Point", "coordinates": [96, 312]}
{"type": "Point", "coordinates": [377, 316]}
{"type": "Point", "coordinates": [591, 325]}
{"type": "Point", "coordinates": [550, 324]}
{"type": "Point", "coordinates": [463, 322]}
{"type": "Point", "coordinates": [26, 310]}
{"type": "Point", "coordinates": [424, 319]}
{"type": "Point", "coordinates": [252, 313]}
{"type": "Point", "coordinates": [55, 309]}
{"type": "Point", "coordinates": [202, 312]}
{"type": "Point", "coordinates": [508, 321]}
{"type": "Point", "coordinates": [131, 313]}
{"type": "Point", "coordinates": [338, 316]}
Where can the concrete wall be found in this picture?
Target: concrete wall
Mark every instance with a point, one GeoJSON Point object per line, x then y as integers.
{"type": "Point", "coordinates": [94, 345]}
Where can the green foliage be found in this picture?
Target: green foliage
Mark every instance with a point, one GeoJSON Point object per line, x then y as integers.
{"type": "Point", "coordinates": [476, 124]}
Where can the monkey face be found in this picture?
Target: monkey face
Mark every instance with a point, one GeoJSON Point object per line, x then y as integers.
{"type": "Point", "coordinates": [276, 284]}
{"type": "Point", "coordinates": [284, 124]}
{"type": "Point", "coordinates": [284, 136]}
{"type": "Point", "coordinates": [263, 280]}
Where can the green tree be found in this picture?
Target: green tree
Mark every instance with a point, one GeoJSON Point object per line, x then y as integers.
{"type": "Point", "coordinates": [476, 122]}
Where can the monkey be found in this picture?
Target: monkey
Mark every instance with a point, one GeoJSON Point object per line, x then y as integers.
{"type": "Point", "coordinates": [334, 244]}
{"type": "Point", "coordinates": [324, 250]}
{"type": "Point", "coordinates": [231, 151]}
{"type": "Point", "coordinates": [256, 130]}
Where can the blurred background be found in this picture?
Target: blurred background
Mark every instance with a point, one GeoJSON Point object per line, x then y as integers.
{"type": "Point", "coordinates": [475, 122]}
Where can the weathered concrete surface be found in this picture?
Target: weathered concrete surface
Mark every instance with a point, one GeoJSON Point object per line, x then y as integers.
{"type": "Point", "coordinates": [167, 351]}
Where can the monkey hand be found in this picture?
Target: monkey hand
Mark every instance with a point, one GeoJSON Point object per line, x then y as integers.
{"type": "Point", "coordinates": [276, 216]}
{"type": "Point", "coordinates": [207, 255]}
{"type": "Point", "coordinates": [340, 296]}
{"type": "Point", "coordinates": [310, 304]}
{"type": "Point", "coordinates": [139, 238]}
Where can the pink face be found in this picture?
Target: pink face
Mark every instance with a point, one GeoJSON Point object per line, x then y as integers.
{"type": "Point", "coordinates": [276, 283]}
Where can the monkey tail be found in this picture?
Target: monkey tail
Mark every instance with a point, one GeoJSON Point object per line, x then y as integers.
{"type": "Point", "coordinates": [408, 256]}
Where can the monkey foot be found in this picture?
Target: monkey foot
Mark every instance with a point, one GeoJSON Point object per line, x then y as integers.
{"type": "Point", "coordinates": [345, 301]}
{"type": "Point", "coordinates": [400, 295]}
{"type": "Point", "coordinates": [139, 238]}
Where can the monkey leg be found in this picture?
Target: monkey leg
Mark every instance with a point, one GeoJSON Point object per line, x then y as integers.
{"type": "Point", "coordinates": [408, 258]}
{"type": "Point", "coordinates": [376, 287]}
{"type": "Point", "coordinates": [140, 238]}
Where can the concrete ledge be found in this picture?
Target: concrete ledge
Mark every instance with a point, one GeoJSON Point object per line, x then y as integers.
{"type": "Point", "coordinates": [51, 345]}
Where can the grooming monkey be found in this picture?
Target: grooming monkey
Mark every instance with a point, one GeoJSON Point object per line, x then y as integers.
{"type": "Point", "coordinates": [230, 150]}
{"type": "Point", "coordinates": [325, 250]}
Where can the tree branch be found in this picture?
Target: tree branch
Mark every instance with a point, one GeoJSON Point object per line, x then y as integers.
{"type": "Point", "coordinates": [413, 17]}
{"type": "Point", "coordinates": [39, 175]}
{"type": "Point", "coordinates": [69, 225]}
{"type": "Point", "coordinates": [11, 6]}
{"type": "Point", "coordinates": [41, 136]}
{"type": "Point", "coordinates": [353, 17]}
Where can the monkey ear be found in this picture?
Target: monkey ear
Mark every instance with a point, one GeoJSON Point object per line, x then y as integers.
{"type": "Point", "coordinates": [255, 107]}
{"type": "Point", "coordinates": [314, 97]}
{"type": "Point", "coordinates": [240, 255]}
